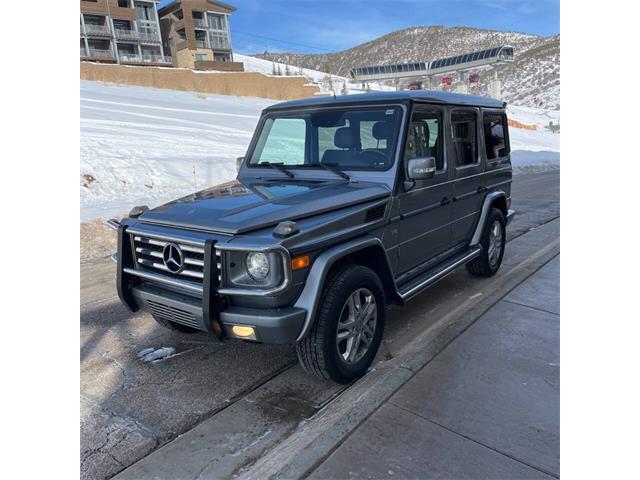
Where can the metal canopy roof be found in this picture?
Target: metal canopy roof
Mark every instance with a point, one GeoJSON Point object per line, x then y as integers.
{"type": "Point", "coordinates": [445, 65]}
{"type": "Point", "coordinates": [429, 96]}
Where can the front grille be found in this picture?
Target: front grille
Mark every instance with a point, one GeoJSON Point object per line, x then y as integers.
{"type": "Point", "coordinates": [148, 254]}
{"type": "Point", "coordinates": [173, 314]}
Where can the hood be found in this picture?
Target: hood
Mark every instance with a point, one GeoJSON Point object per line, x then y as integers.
{"type": "Point", "coordinates": [238, 207]}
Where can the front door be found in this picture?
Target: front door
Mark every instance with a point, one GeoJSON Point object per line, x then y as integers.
{"type": "Point", "coordinates": [469, 182]}
{"type": "Point", "coordinates": [426, 208]}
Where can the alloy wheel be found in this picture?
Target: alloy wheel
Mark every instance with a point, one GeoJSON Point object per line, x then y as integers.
{"type": "Point", "coordinates": [356, 325]}
{"type": "Point", "coordinates": [495, 243]}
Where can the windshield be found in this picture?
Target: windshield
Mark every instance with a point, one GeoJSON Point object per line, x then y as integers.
{"type": "Point", "coordinates": [348, 139]}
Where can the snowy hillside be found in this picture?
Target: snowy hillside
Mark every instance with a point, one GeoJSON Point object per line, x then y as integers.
{"type": "Point", "coordinates": [328, 83]}
{"type": "Point", "coordinates": [144, 146]}
{"type": "Point", "coordinates": [532, 80]}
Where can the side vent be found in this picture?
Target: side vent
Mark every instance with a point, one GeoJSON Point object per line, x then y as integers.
{"type": "Point", "coordinates": [375, 213]}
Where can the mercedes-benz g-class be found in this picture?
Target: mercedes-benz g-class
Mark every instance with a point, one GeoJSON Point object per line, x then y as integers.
{"type": "Point", "coordinates": [341, 207]}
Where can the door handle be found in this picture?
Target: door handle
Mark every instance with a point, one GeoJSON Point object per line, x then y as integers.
{"type": "Point", "coordinates": [445, 201]}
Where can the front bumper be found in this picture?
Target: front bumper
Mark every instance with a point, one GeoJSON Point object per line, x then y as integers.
{"type": "Point", "coordinates": [199, 307]}
{"type": "Point", "coordinates": [281, 325]}
{"type": "Point", "coordinates": [510, 214]}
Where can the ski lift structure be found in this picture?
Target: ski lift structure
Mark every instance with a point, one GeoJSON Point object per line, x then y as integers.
{"type": "Point", "coordinates": [445, 67]}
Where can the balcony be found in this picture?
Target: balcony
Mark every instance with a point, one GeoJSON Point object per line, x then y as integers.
{"type": "Point", "coordinates": [150, 36]}
{"type": "Point", "coordinates": [126, 34]}
{"type": "Point", "coordinates": [93, 30]}
{"type": "Point", "coordinates": [201, 43]}
{"type": "Point", "coordinates": [199, 23]}
{"type": "Point", "coordinates": [97, 53]}
{"type": "Point", "coordinates": [147, 58]}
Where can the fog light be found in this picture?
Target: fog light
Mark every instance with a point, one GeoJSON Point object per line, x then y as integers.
{"type": "Point", "coordinates": [244, 332]}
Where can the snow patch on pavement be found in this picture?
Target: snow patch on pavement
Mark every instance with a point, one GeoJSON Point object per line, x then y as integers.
{"type": "Point", "coordinates": [153, 355]}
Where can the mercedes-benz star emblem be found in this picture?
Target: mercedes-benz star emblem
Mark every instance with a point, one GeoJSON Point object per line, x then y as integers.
{"type": "Point", "coordinates": [173, 257]}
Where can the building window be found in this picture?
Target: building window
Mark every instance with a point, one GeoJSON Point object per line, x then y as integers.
{"type": "Point", "coordinates": [145, 12]}
{"type": "Point", "coordinates": [201, 57]}
{"type": "Point", "coordinates": [219, 40]}
{"type": "Point", "coordinates": [216, 22]}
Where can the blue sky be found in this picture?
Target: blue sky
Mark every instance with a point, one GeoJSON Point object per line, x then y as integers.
{"type": "Point", "coordinates": [317, 26]}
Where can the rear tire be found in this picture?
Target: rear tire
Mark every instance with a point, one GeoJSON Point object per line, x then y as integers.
{"type": "Point", "coordinates": [178, 327]}
{"type": "Point", "coordinates": [492, 242]}
{"type": "Point", "coordinates": [347, 331]}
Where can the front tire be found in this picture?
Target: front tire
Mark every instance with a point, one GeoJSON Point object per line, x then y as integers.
{"type": "Point", "coordinates": [492, 241]}
{"type": "Point", "coordinates": [348, 329]}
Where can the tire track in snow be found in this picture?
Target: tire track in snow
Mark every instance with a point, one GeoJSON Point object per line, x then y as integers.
{"type": "Point", "coordinates": [169, 109]}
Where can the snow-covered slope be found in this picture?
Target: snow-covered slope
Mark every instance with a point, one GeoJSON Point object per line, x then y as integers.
{"type": "Point", "coordinates": [144, 146]}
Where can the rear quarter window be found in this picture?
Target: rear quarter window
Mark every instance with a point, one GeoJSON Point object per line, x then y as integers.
{"type": "Point", "coordinates": [495, 135]}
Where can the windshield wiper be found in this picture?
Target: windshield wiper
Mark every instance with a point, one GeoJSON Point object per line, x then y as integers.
{"type": "Point", "coordinates": [331, 167]}
{"type": "Point", "coordinates": [279, 166]}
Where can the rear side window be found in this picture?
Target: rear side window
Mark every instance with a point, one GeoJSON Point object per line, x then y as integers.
{"type": "Point", "coordinates": [464, 138]}
{"type": "Point", "coordinates": [495, 137]}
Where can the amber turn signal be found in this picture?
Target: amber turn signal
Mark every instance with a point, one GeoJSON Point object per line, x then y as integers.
{"type": "Point", "coordinates": [300, 262]}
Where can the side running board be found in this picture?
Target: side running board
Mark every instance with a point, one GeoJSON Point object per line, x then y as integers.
{"type": "Point", "coordinates": [438, 272]}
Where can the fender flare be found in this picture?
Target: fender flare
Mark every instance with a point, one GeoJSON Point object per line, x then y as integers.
{"type": "Point", "coordinates": [310, 296]}
{"type": "Point", "coordinates": [486, 205]}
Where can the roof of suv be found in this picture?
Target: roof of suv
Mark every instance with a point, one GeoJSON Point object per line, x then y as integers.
{"type": "Point", "coordinates": [431, 96]}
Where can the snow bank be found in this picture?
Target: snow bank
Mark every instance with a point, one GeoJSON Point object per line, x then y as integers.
{"type": "Point", "coordinates": [143, 146]}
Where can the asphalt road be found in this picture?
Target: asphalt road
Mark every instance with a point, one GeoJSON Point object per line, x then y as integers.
{"type": "Point", "coordinates": [130, 407]}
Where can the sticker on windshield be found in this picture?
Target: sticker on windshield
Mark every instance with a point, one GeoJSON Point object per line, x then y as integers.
{"type": "Point", "coordinates": [389, 112]}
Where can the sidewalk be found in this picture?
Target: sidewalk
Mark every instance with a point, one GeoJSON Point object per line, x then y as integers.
{"type": "Point", "coordinates": [486, 407]}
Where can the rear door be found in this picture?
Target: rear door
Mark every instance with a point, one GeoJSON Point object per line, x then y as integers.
{"type": "Point", "coordinates": [468, 172]}
{"type": "Point", "coordinates": [425, 209]}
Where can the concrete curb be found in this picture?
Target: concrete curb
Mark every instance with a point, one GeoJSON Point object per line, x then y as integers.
{"type": "Point", "coordinates": [304, 450]}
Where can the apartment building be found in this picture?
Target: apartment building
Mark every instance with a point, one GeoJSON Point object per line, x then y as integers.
{"type": "Point", "coordinates": [197, 34]}
{"type": "Point", "coordinates": [121, 31]}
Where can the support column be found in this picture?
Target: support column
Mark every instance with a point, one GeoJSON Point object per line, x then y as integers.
{"type": "Point", "coordinates": [495, 86]}
{"type": "Point", "coordinates": [463, 87]}
{"type": "Point", "coordinates": [84, 38]}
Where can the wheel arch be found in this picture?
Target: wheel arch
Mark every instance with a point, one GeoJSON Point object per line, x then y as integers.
{"type": "Point", "coordinates": [367, 251]}
{"type": "Point", "coordinates": [497, 199]}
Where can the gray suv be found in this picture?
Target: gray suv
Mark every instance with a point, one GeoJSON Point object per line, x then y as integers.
{"type": "Point", "coordinates": [341, 207]}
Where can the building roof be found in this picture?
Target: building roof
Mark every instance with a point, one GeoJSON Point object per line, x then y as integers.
{"type": "Point", "coordinates": [431, 96]}
{"type": "Point", "coordinates": [169, 6]}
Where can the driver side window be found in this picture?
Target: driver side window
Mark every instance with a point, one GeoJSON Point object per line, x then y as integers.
{"type": "Point", "coordinates": [424, 137]}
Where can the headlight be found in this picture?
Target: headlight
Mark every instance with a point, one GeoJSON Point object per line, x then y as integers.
{"type": "Point", "coordinates": [257, 265]}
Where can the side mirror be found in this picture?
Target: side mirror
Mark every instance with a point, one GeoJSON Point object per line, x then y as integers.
{"type": "Point", "coordinates": [239, 161]}
{"type": "Point", "coordinates": [421, 168]}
